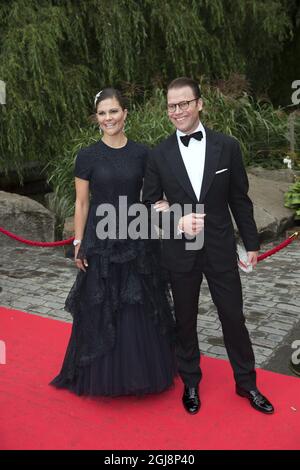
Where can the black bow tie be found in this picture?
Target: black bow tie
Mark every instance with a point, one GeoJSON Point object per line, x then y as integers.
{"type": "Point", "coordinates": [185, 139]}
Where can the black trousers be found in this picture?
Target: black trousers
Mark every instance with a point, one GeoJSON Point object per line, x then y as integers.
{"type": "Point", "coordinates": [226, 292]}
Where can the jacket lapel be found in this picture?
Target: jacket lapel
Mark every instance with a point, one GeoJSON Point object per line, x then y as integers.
{"type": "Point", "coordinates": [177, 166]}
{"type": "Point", "coordinates": [212, 156]}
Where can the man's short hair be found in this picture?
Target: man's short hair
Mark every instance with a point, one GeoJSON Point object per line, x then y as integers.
{"type": "Point", "coordinates": [185, 81]}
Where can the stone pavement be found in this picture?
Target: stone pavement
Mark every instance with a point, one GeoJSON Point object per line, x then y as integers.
{"type": "Point", "coordinates": [37, 280]}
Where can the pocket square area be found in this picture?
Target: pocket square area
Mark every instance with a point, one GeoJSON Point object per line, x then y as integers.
{"type": "Point", "coordinates": [221, 171]}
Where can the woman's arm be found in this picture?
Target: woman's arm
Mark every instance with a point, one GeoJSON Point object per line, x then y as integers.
{"type": "Point", "coordinates": [80, 216]}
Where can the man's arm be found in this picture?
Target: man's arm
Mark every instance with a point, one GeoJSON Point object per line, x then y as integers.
{"type": "Point", "coordinates": [152, 192]}
{"type": "Point", "coordinates": [239, 202]}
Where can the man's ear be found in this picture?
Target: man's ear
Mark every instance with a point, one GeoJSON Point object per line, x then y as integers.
{"type": "Point", "coordinates": [200, 104]}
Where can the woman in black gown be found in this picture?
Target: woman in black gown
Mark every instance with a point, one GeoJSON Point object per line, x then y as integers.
{"type": "Point", "coordinates": [123, 327]}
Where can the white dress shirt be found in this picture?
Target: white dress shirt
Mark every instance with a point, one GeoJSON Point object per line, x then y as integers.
{"type": "Point", "coordinates": [193, 158]}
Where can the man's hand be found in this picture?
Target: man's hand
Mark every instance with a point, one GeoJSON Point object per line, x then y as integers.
{"type": "Point", "coordinates": [252, 258]}
{"type": "Point", "coordinates": [192, 224]}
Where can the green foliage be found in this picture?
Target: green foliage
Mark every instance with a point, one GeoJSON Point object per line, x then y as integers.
{"type": "Point", "coordinates": [55, 55]}
{"type": "Point", "coordinates": [42, 92]}
{"type": "Point", "coordinates": [287, 65]}
{"type": "Point", "coordinates": [148, 122]}
{"type": "Point", "coordinates": [260, 129]}
{"type": "Point", "coordinates": [61, 171]}
{"type": "Point", "coordinates": [292, 199]}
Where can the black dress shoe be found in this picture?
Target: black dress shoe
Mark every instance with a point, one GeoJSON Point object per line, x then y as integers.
{"type": "Point", "coordinates": [257, 400]}
{"type": "Point", "coordinates": [190, 400]}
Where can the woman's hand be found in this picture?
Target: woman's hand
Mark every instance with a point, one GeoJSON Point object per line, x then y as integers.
{"type": "Point", "coordinates": [161, 206]}
{"type": "Point", "coordinates": [80, 264]}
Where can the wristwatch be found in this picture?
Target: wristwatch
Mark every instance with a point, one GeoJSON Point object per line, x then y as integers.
{"type": "Point", "coordinates": [76, 242]}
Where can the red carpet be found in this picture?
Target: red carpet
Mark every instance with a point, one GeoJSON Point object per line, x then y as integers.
{"type": "Point", "coordinates": [34, 415]}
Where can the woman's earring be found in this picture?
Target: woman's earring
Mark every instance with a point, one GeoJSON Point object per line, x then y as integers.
{"type": "Point", "coordinates": [100, 130]}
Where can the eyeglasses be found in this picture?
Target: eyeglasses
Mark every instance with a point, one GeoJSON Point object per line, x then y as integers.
{"type": "Point", "coordinates": [183, 105]}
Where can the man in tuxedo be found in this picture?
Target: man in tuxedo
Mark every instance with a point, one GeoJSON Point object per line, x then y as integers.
{"type": "Point", "coordinates": [197, 165]}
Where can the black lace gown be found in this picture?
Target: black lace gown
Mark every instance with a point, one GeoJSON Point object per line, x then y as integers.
{"type": "Point", "coordinates": [122, 340]}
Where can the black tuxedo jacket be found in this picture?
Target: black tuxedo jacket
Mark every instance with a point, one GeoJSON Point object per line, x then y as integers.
{"type": "Point", "coordinates": [221, 190]}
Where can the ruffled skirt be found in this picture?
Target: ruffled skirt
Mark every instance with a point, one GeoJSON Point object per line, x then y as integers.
{"type": "Point", "coordinates": [122, 340]}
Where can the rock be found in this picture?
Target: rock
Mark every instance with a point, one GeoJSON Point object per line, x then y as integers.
{"type": "Point", "coordinates": [282, 175]}
{"type": "Point", "coordinates": [24, 217]}
{"type": "Point", "coordinates": [68, 227]}
{"type": "Point", "coordinates": [68, 232]}
{"type": "Point", "coordinates": [271, 217]}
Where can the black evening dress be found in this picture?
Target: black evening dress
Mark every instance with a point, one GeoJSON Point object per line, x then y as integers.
{"type": "Point", "coordinates": [122, 340]}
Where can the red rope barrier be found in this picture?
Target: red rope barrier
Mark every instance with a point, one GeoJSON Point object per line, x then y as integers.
{"type": "Point", "coordinates": [33, 243]}
{"type": "Point", "coordinates": [68, 241]}
{"type": "Point", "coordinates": [278, 247]}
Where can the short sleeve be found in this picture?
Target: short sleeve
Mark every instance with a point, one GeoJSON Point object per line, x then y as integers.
{"type": "Point", "coordinates": [83, 167]}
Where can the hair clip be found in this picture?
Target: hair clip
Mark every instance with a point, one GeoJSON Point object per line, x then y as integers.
{"type": "Point", "coordinates": [97, 96]}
